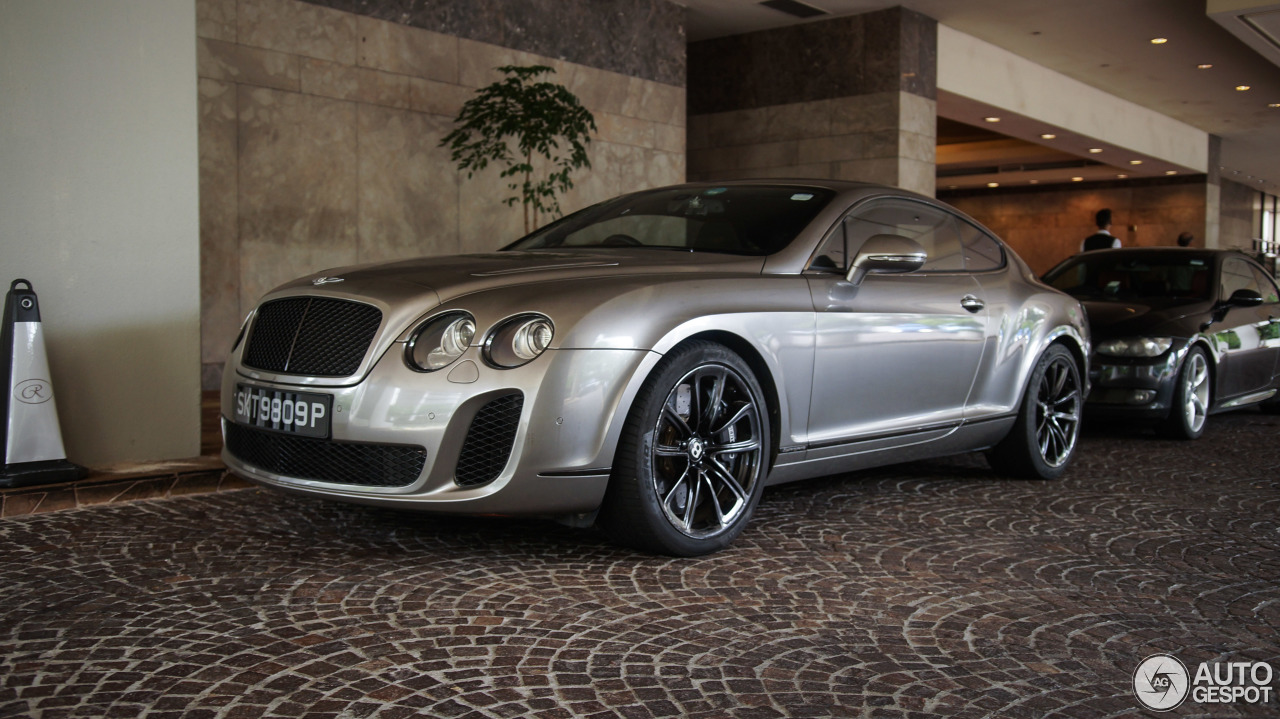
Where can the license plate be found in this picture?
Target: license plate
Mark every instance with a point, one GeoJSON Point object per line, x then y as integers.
{"type": "Point", "coordinates": [300, 413]}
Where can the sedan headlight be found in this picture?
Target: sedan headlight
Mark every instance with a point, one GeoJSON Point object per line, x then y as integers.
{"type": "Point", "coordinates": [518, 341]}
{"type": "Point", "coordinates": [1135, 347]}
{"type": "Point", "coordinates": [439, 341]}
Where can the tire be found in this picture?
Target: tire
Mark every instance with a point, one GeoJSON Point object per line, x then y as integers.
{"type": "Point", "coordinates": [693, 455]}
{"type": "Point", "coordinates": [1044, 436]}
{"type": "Point", "coordinates": [1191, 397]}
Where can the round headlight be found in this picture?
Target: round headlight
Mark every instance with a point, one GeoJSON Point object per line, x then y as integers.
{"type": "Point", "coordinates": [439, 341]}
{"type": "Point", "coordinates": [1135, 347]}
{"type": "Point", "coordinates": [518, 340]}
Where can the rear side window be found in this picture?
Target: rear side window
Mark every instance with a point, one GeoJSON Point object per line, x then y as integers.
{"type": "Point", "coordinates": [981, 251]}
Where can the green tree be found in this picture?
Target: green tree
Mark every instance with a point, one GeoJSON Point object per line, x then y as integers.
{"type": "Point", "coordinates": [543, 120]}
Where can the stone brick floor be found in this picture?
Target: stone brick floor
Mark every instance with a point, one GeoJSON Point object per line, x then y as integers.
{"type": "Point", "coordinates": [930, 589]}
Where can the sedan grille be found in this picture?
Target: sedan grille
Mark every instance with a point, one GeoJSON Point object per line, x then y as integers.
{"type": "Point", "coordinates": [489, 439]}
{"type": "Point", "coordinates": [365, 465]}
{"type": "Point", "coordinates": [316, 336]}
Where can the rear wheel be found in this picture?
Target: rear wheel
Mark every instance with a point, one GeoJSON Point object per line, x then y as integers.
{"type": "Point", "coordinates": [1043, 439]}
{"type": "Point", "coordinates": [693, 455]}
{"type": "Point", "coordinates": [1190, 397]}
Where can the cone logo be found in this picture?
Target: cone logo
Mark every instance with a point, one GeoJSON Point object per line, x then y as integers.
{"type": "Point", "coordinates": [33, 391]}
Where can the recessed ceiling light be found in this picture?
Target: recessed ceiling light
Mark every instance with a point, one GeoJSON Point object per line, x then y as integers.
{"type": "Point", "coordinates": [992, 119]}
{"type": "Point", "coordinates": [1035, 182]}
{"type": "Point", "coordinates": [1204, 66]}
{"type": "Point", "coordinates": [1135, 162]}
{"type": "Point", "coordinates": [1047, 136]}
{"type": "Point", "coordinates": [1122, 176]}
{"type": "Point", "coordinates": [1273, 104]}
{"type": "Point", "coordinates": [1077, 179]}
{"type": "Point", "coordinates": [1095, 150]}
{"type": "Point", "coordinates": [993, 184]}
{"type": "Point", "coordinates": [1242, 88]}
{"type": "Point", "coordinates": [1170, 172]}
{"type": "Point", "coordinates": [1159, 40]}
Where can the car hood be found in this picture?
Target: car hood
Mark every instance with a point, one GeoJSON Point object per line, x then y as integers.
{"type": "Point", "coordinates": [1152, 317]}
{"type": "Point", "coordinates": [440, 279]}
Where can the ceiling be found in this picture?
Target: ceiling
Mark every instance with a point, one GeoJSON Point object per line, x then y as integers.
{"type": "Point", "coordinates": [1102, 43]}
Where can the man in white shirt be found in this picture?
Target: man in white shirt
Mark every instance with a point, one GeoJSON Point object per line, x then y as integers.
{"type": "Point", "coordinates": [1102, 239]}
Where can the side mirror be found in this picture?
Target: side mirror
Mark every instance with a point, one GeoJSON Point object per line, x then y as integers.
{"type": "Point", "coordinates": [886, 254]}
{"type": "Point", "coordinates": [1244, 298]}
{"type": "Point", "coordinates": [1240, 298]}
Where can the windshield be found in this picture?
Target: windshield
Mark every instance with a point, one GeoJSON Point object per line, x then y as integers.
{"type": "Point", "coordinates": [751, 220]}
{"type": "Point", "coordinates": [1125, 277]}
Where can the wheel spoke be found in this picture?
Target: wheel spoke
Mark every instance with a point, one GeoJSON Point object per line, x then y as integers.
{"type": "Point", "coordinates": [745, 445]}
{"type": "Point", "coordinates": [743, 410]}
{"type": "Point", "coordinates": [694, 497]}
{"type": "Point", "coordinates": [682, 427]}
{"type": "Point", "coordinates": [729, 481]}
{"type": "Point", "coordinates": [707, 415]}
{"type": "Point", "coordinates": [668, 498]}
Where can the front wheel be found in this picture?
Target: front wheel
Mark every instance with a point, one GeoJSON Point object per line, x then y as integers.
{"type": "Point", "coordinates": [1043, 439]}
{"type": "Point", "coordinates": [1190, 398]}
{"type": "Point", "coordinates": [693, 455]}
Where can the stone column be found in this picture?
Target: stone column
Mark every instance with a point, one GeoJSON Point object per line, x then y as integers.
{"type": "Point", "coordinates": [851, 98]}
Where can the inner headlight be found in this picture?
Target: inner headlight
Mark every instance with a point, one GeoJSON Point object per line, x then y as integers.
{"type": "Point", "coordinates": [1135, 347]}
{"type": "Point", "coordinates": [518, 341]}
{"type": "Point", "coordinates": [439, 341]}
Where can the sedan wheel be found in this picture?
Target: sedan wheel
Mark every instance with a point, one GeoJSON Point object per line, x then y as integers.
{"type": "Point", "coordinates": [1190, 397]}
{"type": "Point", "coordinates": [693, 456]}
{"type": "Point", "coordinates": [1043, 439]}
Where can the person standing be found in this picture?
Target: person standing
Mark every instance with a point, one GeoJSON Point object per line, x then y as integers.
{"type": "Point", "coordinates": [1102, 239]}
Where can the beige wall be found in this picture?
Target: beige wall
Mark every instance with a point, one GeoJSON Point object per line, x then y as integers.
{"type": "Point", "coordinates": [319, 134]}
{"type": "Point", "coordinates": [888, 137]}
{"type": "Point", "coordinates": [1237, 221]}
{"type": "Point", "coordinates": [98, 208]}
{"type": "Point", "coordinates": [1047, 226]}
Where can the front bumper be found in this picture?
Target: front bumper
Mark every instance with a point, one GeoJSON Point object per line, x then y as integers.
{"type": "Point", "coordinates": [1134, 388]}
{"type": "Point", "coordinates": [571, 403]}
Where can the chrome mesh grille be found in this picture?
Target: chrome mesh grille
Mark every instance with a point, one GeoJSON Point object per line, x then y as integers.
{"type": "Point", "coordinates": [489, 439]}
{"type": "Point", "coordinates": [364, 465]}
{"type": "Point", "coordinates": [315, 336]}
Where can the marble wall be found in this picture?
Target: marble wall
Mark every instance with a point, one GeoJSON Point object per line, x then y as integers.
{"type": "Point", "coordinates": [320, 127]}
{"type": "Point", "coordinates": [1046, 225]}
{"type": "Point", "coordinates": [849, 98]}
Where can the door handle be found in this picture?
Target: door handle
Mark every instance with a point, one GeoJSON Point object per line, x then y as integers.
{"type": "Point", "coordinates": [971, 303]}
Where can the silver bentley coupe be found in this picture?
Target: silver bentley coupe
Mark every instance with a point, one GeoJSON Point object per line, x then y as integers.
{"type": "Point", "coordinates": [649, 364]}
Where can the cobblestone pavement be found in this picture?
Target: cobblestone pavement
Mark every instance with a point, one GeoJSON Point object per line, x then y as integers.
{"type": "Point", "coordinates": [921, 590]}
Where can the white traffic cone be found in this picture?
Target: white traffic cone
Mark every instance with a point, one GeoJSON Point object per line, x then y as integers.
{"type": "Point", "coordinates": [33, 452]}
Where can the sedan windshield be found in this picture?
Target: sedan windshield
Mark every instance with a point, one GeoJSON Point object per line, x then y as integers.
{"type": "Point", "coordinates": [1125, 277]}
{"type": "Point", "coordinates": [751, 220]}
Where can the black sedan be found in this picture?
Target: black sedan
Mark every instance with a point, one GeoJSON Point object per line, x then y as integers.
{"type": "Point", "coordinates": [1178, 334]}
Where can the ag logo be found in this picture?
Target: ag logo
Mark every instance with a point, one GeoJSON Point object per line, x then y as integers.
{"type": "Point", "coordinates": [33, 391]}
{"type": "Point", "coordinates": [1161, 682]}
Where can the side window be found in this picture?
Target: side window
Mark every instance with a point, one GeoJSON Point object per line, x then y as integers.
{"type": "Point", "coordinates": [1237, 275]}
{"type": "Point", "coordinates": [1266, 286]}
{"type": "Point", "coordinates": [981, 252]}
{"type": "Point", "coordinates": [935, 230]}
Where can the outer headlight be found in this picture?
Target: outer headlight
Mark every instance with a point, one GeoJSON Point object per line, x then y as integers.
{"type": "Point", "coordinates": [439, 341]}
{"type": "Point", "coordinates": [518, 340]}
{"type": "Point", "coordinates": [1135, 347]}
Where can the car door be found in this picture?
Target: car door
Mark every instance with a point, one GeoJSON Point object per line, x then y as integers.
{"type": "Point", "coordinates": [896, 354]}
{"type": "Point", "coordinates": [1246, 337]}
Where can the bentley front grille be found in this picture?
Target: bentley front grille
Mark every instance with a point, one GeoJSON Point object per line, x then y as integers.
{"type": "Point", "coordinates": [364, 465]}
{"type": "Point", "coordinates": [315, 336]}
{"type": "Point", "coordinates": [489, 439]}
